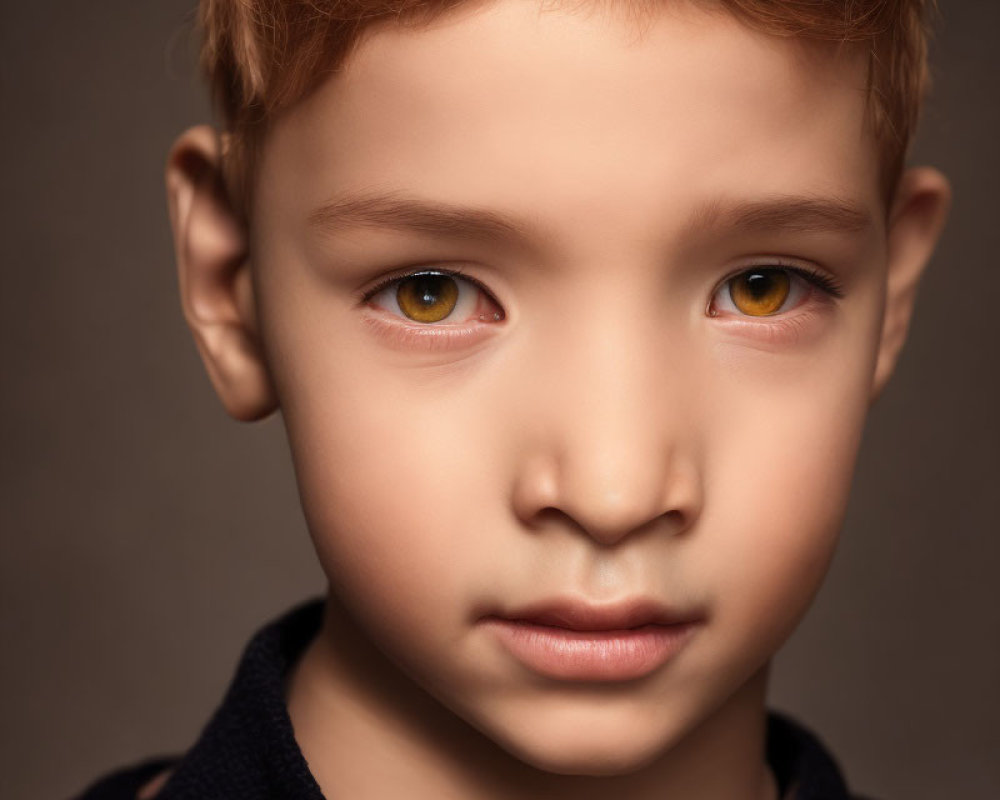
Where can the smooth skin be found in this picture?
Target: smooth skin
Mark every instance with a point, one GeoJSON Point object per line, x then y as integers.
{"type": "Point", "coordinates": [599, 421]}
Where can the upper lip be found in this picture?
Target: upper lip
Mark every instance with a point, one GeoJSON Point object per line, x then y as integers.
{"type": "Point", "coordinates": [580, 615]}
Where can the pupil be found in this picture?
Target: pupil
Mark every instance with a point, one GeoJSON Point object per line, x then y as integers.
{"type": "Point", "coordinates": [760, 285]}
{"type": "Point", "coordinates": [428, 290]}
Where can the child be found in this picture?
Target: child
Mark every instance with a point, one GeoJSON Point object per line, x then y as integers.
{"type": "Point", "coordinates": [573, 313]}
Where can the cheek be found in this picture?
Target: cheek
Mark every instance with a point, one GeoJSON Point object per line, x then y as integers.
{"type": "Point", "coordinates": [393, 492]}
{"type": "Point", "coordinates": [782, 484]}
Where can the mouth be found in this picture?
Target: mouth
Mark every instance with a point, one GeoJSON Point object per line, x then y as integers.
{"type": "Point", "coordinates": [575, 641]}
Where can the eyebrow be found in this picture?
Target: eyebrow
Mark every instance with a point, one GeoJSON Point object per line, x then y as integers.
{"type": "Point", "coordinates": [784, 214]}
{"type": "Point", "coordinates": [404, 213]}
{"type": "Point", "coordinates": [790, 214]}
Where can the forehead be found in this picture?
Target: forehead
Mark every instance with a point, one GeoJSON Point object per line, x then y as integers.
{"type": "Point", "coordinates": [582, 112]}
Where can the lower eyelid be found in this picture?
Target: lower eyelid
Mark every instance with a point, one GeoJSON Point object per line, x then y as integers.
{"type": "Point", "coordinates": [784, 330]}
{"type": "Point", "coordinates": [396, 331]}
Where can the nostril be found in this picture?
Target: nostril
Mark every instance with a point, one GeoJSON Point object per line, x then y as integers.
{"type": "Point", "coordinates": [676, 521]}
{"type": "Point", "coordinates": [609, 490]}
{"type": "Point", "coordinates": [610, 529]}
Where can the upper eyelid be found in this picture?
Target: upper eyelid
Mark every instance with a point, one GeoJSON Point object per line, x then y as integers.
{"type": "Point", "coordinates": [412, 272]}
{"type": "Point", "coordinates": [816, 277]}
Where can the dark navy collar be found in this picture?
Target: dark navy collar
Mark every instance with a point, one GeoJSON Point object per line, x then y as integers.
{"type": "Point", "coordinates": [248, 750]}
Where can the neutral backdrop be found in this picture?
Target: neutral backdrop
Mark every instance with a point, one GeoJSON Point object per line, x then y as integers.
{"type": "Point", "coordinates": [145, 536]}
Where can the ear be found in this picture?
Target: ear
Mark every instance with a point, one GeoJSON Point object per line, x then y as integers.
{"type": "Point", "coordinates": [217, 293]}
{"type": "Point", "coordinates": [916, 220]}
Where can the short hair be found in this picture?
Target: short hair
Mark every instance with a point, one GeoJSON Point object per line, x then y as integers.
{"type": "Point", "coordinates": [262, 56]}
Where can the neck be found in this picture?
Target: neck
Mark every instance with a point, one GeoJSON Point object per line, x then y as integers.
{"type": "Point", "coordinates": [367, 730]}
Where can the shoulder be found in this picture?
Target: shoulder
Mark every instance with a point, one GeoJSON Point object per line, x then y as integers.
{"type": "Point", "coordinates": [248, 749]}
{"type": "Point", "coordinates": [127, 783]}
{"type": "Point", "coordinates": [802, 765]}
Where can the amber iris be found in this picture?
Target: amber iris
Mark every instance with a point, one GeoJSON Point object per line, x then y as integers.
{"type": "Point", "coordinates": [427, 298]}
{"type": "Point", "coordinates": [760, 292]}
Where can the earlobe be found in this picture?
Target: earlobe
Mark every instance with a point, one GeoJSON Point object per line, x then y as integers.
{"type": "Point", "coordinates": [214, 270]}
{"type": "Point", "coordinates": [917, 218]}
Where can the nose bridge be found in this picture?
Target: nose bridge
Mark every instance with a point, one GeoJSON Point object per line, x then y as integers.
{"type": "Point", "coordinates": [614, 422]}
{"type": "Point", "coordinates": [608, 390]}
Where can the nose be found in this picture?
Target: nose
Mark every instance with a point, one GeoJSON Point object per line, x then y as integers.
{"type": "Point", "coordinates": [614, 440]}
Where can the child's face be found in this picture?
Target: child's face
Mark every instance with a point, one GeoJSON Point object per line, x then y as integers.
{"type": "Point", "coordinates": [607, 421]}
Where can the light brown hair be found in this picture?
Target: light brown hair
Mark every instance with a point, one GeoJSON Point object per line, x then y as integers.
{"type": "Point", "coordinates": [262, 56]}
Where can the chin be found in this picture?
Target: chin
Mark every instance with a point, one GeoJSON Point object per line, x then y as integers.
{"type": "Point", "coordinates": [592, 759]}
{"type": "Point", "coordinates": [593, 749]}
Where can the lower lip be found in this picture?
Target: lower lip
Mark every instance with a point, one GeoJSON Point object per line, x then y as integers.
{"type": "Point", "coordinates": [616, 655]}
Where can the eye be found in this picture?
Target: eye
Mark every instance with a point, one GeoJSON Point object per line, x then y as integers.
{"type": "Point", "coordinates": [766, 291]}
{"type": "Point", "coordinates": [435, 297]}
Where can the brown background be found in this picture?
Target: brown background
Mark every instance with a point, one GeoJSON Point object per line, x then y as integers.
{"type": "Point", "coordinates": [144, 536]}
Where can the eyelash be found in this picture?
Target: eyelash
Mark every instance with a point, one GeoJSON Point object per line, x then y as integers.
{"type": "Point", "coordinates": [820, 280]}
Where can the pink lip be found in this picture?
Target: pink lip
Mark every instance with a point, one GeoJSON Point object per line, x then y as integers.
{"type": "Point", "coordinates": [567, 640]}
